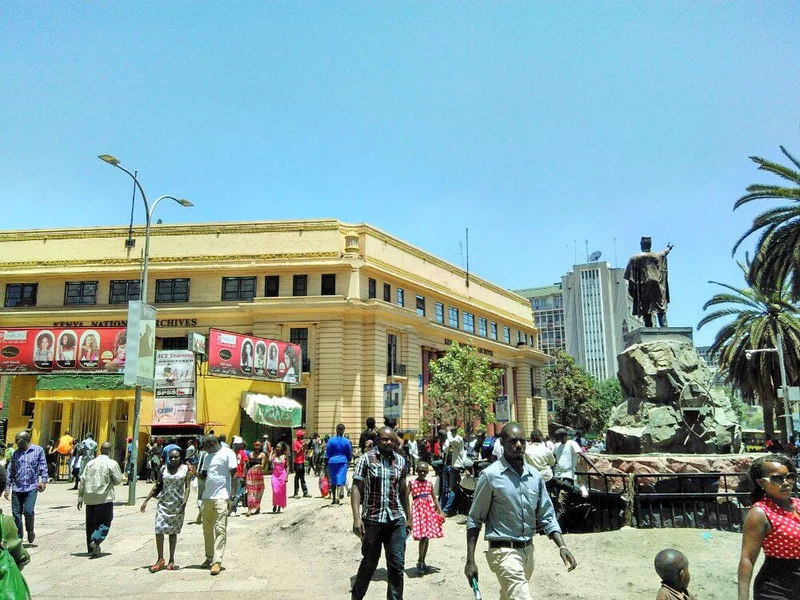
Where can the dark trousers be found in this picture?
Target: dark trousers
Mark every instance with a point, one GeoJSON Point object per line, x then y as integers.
{"type": "Point", "coordinates": [450, 506]}
{"type": "Point", "coordinates": [300, 478]}
{"type": "Point", "coordinates": [23, 503]}
{"type": "Point", "coordinates": [392, 537]}
{"type": "Point", "coordinates": [98, 522]}
{"type": "Point", "coordinates": [564, 492]}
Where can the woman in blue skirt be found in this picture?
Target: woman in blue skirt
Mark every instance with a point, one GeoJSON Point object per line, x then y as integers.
{"type": "Point", "coordinates": [338, 454]}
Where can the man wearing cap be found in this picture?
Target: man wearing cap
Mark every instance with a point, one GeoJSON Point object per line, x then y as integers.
{"type": "Point", "coordinates": [240, 487]}
{"type": "Point", "coordinates": [510, 498]}
{"type": "Point", "coordinates": [648, 285]}
{"type": "Point", "coordinates": [299, 452]}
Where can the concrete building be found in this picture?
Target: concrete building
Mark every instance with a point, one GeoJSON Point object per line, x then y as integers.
{"type": "Point", "coordinates": [598, 313]}
{"type": "Point", "coordinates": [547, 304]}
{"type": "Point", "coordinates": [365, 307]}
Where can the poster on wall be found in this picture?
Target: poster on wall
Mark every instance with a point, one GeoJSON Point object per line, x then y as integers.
{"type": "Point", "coordinates": [250, 357]}
{"type": "Point", "coordinates": [392, 400]}
{"type": "Point", "coordinates": [40, 350]}
{"type": "Point", "coordinates": [174, 399]}
{"type": "Point", "coordinates": [141, 344]}
{"type": "Point", "coordinates": [502, 409]}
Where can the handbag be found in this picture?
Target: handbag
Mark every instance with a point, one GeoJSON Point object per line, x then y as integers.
{"type": "Point", "coordinates": [12, 584]}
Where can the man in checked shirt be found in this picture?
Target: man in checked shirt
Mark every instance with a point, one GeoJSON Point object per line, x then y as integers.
{"type": "Point", "coordinates": [27, 476]}
{"type": "Point", "coordinates": [383, 518]}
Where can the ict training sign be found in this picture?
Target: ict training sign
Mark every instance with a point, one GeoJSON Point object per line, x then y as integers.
{"type": "Point", "coordinates": [174, 394]}
{"type": "Point", "coordinates": [40, 350]}
{"type": "Point", "coordinates": [241, 355]}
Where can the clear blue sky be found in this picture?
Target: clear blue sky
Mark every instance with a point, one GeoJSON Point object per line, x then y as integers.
{"type": "Point", "coordinates": [534, 124]}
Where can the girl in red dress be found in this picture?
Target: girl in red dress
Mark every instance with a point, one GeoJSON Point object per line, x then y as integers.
{"type": "Point", "coordinates": [426, 514]}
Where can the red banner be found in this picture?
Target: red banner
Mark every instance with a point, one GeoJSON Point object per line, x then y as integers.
{"type": "Point", "coordinates": [41, 350]}
{"type": "Point", "coordinates": [242, 355]}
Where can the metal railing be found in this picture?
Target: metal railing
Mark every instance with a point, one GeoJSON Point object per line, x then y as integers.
{"type": "Point", "coordinates": [608, 502]}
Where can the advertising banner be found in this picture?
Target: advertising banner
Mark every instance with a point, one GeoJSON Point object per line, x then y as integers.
{"type": "Point", "coordinates": [197, 343]}
{"type": "Point", "coordinates": [242, 355]}
{"type": "Point", "coordinates": [140, 348]}
{"type": "Point", "coordinates": [174, 399]}
{"type": "Point", "coordinates": [392, 400]}
{"type": "Point", "coordinates": [39, 350]}
{"type": "Point", "coordinates": [502, 409]}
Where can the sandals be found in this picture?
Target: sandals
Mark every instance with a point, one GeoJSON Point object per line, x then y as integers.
{"type": "Point", "coordinates": [171, 566]}
{"type": "Point", "coordinates": [422, 568]}
{"type": "Point", "coordinates": [158, 566]}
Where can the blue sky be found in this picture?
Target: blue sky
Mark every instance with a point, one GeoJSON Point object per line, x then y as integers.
{"type": "Point", "coordinates": [537, 125]}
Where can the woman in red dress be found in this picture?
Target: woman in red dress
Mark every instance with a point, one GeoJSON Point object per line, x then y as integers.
{"type": "Point", "coordinates": [773, 524]}
{"type": "Point", "coordinates": [426, 514]}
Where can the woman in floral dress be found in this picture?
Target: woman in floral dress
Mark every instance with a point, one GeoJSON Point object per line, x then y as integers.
{"type": "Point", "coordinates": [426, 514]}
{"type": "Point", "coordinates": [257, 465]}
{"type": "Point", "coordinates": [279, 475]}
{"type": "Point", "coordinates": [172, 489]}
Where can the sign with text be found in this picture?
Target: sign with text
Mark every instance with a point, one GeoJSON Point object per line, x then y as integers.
{"type": "Point", "coordinates": [502, 409]}
{"type": "Point", "coordinates": [40, 350]}
{"type": "Point", "coordinates": [140, 348]}
{"type": "Point", "coordinates": [392, 400]}
{"type": "Point", "coordinates": [174, 398]}
{"type": "Point", "coordinates": [242, 355]}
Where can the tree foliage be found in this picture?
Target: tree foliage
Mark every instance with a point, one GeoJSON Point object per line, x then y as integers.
{"type": "Point", "coordinates": [576, 396]}
{"type": "Point", "coordinates": [463, 387]}
{"type": "Point", "coordinates": [609, 396]}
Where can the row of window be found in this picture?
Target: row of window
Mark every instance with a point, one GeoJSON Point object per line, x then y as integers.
{"type": "Point", "coordinates": [241, 289]}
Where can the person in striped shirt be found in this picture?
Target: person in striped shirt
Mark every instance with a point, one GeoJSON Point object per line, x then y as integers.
{"type": "Point", "coordinates": [27, 476]}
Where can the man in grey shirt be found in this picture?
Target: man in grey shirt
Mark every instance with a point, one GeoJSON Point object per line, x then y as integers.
{"type": "Point", "coordinates": [509, 499]}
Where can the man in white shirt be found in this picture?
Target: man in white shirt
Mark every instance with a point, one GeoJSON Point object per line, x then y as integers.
{"type": "Point", "coordinates": [566, 453]}
{"type": "Point", "coordinates": [413, 453]}
{"type": "Point", "coordinates": [96, 490]}
{"type": "Point", "coordinates": [455, 446]}
{"type": "Point", "coordinates": [216, 471]}
{"type": "Point", "coordinates": [539, 456]}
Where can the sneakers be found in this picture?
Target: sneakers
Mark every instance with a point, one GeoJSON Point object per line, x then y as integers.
{"type": "Point", "coordinates": [94, 549]}
{"type": "Point", "coordinates": [306, 495]}
{"type": "Point", "coordinates": [216, 568]}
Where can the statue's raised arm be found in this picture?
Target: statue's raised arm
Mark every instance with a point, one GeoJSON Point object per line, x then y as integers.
{"type": "Point", "coordinates": [648, 283]}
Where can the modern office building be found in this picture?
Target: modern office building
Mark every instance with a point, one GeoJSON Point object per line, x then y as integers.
{"type": "Point", "coordinates": [598, 313]}
{"type": "Point", "coordinates": [366, 309]}
{"type": "Point", "coordinates": [547, 304]}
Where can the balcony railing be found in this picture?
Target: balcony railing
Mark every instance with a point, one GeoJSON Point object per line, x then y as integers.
{"type": "Point", "coordinates": [399, 370]}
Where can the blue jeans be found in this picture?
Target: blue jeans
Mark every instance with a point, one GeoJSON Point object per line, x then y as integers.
{"type": "Point", "coordinates": [392, 537]}
{"type": "Point", "coordinates": [22, 503]}
{"type": "Point", "coordinates": [452, 476]}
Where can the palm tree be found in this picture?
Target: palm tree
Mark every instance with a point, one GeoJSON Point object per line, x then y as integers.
{"type": "Point", "coordinates": [757, 319]}
{"type": "Point", "coordinates": [777, 255]}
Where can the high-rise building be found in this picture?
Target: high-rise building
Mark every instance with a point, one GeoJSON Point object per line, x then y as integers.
{"type": "Point", "coordinates": [598, 313]}
{"type": "Point", "coordinates": [547, 304]}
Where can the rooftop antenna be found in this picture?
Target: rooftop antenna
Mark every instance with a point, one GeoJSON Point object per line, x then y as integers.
{"type": "Point", "coordinates": [587, 250]}
{"type": "Point", "coordinates": [615, 253]}
{"type": "Point", "coordinates": [574, 252]}
{"type": "Point", "coordinates": [467, 256]}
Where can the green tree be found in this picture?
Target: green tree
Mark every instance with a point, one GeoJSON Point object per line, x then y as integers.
{"type": "Point", "coordinates": [463, 387]}
{"type": "Point", "coordinates": [575, 393]}
{"type": "Point", "coordinates": [777, 257]}
{"type": "Point", "coordinates": [757, 318]}
{"type": "Point", "coordinates": [609, 396]}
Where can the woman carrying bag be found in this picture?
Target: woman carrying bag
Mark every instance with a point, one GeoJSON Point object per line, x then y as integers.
{"type": "Point", "coordinates": [13, 556]}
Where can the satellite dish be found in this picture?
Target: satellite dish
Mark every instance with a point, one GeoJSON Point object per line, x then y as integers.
{"type": "Point", "coordinates": [159, 222]}
{"type": "Point", "coordinates": [595, 255]}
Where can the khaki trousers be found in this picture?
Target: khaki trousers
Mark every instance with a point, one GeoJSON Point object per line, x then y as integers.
{"type": "Point", "coordinates": [514, 568]}
{"type": "Point", "coordinates": [215, 528]}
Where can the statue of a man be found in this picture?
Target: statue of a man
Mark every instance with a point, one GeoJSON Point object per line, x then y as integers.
{"type": "Point", "coordinates": [647, 283]}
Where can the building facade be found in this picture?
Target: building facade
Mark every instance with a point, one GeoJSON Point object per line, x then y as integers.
{"type": "Point", "coordinates": [366, 308]}
{"type": "Point", "coordinates": [598, 313]}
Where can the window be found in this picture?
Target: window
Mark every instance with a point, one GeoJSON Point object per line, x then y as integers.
{"type": "Point", "coordinates": [453, 317]}
{"type": "Point", "coordinates": [493, 331]}
{"type": "Point", "coordinates": [387, 292]}
{"type": "Point", "coordinates": [272, 286]}
{"type": "Point", "coordinates": [300, 285]}
{"type": "Point", "coordinates": [519, 336]}
{"type": "Point", "coordinates": [238, 288]}
{"type": "Point", "coordinates": [174, 343]}
{"type": "Point", "coordinates": [507, 335]}
{"type": "Point", "coordinates": [80, 292]}
{"type": "Point", "coordinates": [373, 288]}
{"type": "Point", "coordinates": [482, 326]}
{"type": "Point", "coordinates": [469, 322]}
{"type": "Point", "coordinates": [421, 306]}
{"type": "Point", "coordinates": [172, 290]}
{"type": "Point", "coordinates": [122, 291]}
{"type": "Point", "coordinates": [27, 408]}
{"type": "Point", "coordinates": [400, 297]}
{"type": "Point", "coordinates": [299, 336]}
{"type": "Point", "coordinates": [439, 312]}
{"type": "Point", "coordinates": [21, 294]}
{"type": "Point", "coordinates": [328, 287]}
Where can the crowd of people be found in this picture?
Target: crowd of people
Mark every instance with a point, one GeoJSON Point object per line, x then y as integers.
{"type": "Point", "coordinates": [511, 486]}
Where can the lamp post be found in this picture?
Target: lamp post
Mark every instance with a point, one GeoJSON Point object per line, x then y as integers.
{"type": "Point", "coordinates": [137, 407]}
{"type": "Point", "coordinates": [787, 413]}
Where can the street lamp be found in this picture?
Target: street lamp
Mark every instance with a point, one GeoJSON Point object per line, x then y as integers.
{"type": "Point", "coordinates": [137, 409]}
{"type": "Point", "coordinates": [787, 414]}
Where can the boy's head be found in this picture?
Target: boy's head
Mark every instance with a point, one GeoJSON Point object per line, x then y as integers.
{"type": "Point", "coordinates": [673, 568]}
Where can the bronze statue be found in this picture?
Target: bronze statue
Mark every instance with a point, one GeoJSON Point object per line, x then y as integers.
{"type": "Point", "coordinates": [647, 283]}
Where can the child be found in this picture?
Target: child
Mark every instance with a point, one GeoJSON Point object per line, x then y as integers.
{"type": "Point", "coordinates": [673, 568]}
{"type": "Point", "coordinates": [426, 514]}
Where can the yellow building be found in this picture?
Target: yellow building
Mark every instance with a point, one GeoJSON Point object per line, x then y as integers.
{"type": "Point", "coordinates": [366, 308]}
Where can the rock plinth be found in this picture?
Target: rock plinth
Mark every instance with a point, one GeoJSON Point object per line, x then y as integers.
{"type": "Point", "coordinates": [670, 405]}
